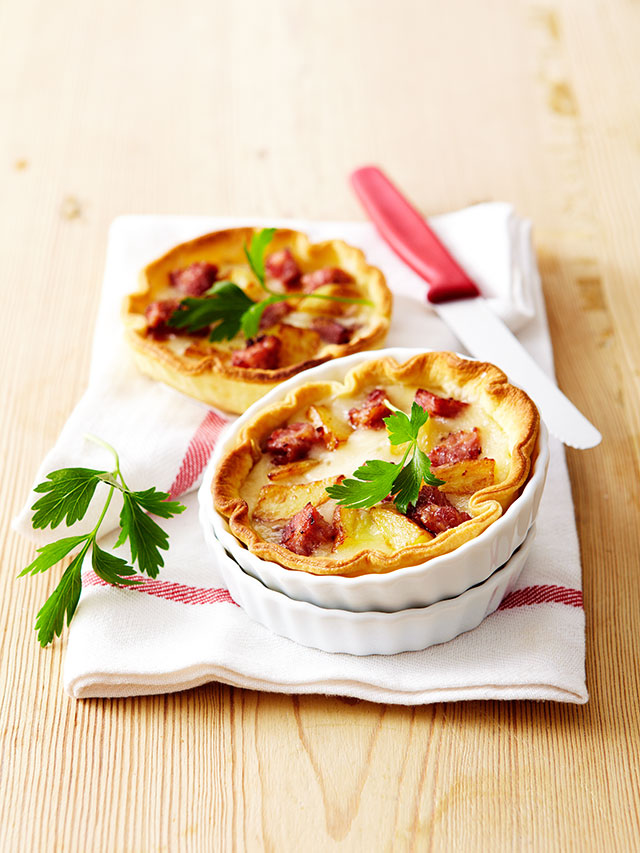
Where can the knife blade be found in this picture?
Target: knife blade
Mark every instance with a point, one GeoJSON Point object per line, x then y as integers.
{"type": "Point", "coordinates": [458, 301]}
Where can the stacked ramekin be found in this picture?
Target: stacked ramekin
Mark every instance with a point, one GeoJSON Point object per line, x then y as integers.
{"type": "Point", "coordinates": [404, 610]}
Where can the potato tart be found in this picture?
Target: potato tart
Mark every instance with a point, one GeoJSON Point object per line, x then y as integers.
{"type": "Point", "coordinates": [480, 437]}
{"type": "Point", "coordinates": [293, 335]}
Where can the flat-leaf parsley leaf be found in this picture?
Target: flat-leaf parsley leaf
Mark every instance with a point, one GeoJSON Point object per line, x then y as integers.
{"type": "Point", "coordinates": [255, 252]}
{"type": "Point", "coordinates": [375, 480]}
{"type": "Point", "coordinates": [225, 306]}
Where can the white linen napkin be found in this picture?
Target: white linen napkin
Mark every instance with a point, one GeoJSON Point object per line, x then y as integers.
{"type": "Point", "coordinates": [182, 629]}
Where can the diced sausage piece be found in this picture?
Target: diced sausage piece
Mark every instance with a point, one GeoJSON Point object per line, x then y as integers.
{"type": "Point", "coordinates": [282, 265]}
{"type": "Point", "coordinates": [372, 412]}
{"type": "Point", "coordinates": [464, 444]}
{"type": "Point", "coordinates": [327, 275]}
{"type": "Point", "coordinates": [157, 316]}
{"type": "Point", "coordinates": [432, 495]}
{"type": "Point", "coordinates": [331, 331]}
{"type": "Point", "coordinates": [443, 407]}
{"type": "Point", "coordinates": [158, 313]}
{"type": "Point", "coordinates": [273, 313]}
{"type": "Point", "coordinates": [306, 531]}
{"type": "Point", "coordinates": [293, 442]}
{"type": "Point", "coordinates": [263, 353]}
{"type": "Point", "coordinates": [434, 511]}
{"type": "Point", "coordinates": [195, 279]}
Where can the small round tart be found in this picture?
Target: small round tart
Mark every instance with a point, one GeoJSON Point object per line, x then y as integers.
{"type": "Point", "coordinates": [293, 335]}
{"type": "Point", "coordinates": [480, 438]}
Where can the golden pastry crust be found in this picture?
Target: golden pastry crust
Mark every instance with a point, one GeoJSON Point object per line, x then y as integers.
{"type": "Point", "coordinates": [443, 373]}
{"type": "Point", "coordinates": [204, 370]}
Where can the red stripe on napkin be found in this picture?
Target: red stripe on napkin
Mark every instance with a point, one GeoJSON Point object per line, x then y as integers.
{"type": "Point", "coordinates": [198, 453]}
{"type": "Point", "coordinates": [169, 590]}
{"type": "Point", "coordinates": [529, 595]}
{"type": "Point", "coordinates": [542, 594]}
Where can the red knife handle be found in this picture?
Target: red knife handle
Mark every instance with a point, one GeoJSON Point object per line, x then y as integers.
{"type": "Point", "coordinates": [405, 230]}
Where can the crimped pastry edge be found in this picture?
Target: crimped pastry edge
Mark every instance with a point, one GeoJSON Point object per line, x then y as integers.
{"type": "Point", "coordinates": [513, 409]}
{"type": "Point", "coordinates": [211, 380]}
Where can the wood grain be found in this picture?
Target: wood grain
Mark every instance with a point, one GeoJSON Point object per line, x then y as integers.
{"type": "Point", "coordinates": [230, 108]}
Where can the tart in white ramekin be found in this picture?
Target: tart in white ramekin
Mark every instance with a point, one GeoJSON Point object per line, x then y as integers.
{"type": "Point", "coordinates": [446, 573]}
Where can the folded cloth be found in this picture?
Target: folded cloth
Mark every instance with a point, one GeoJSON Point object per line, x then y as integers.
{"type": "Point", "coordinates": [182, 629]}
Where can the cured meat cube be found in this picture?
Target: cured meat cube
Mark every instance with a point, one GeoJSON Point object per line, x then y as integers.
{"type": "Point", "coordinates": [157, 316]}
{"type": "Point", "coordinates": [261, 354]}
{"type": "Point", "coordinates": [306, 531]}
{"type": "Point", "coordinates": [157, 313]}
{"type": "Point", "coordinates": [372, 412]}
{"type": "Point", "coordinates": [442, 407]}
{"type": "Point", "coordinates": [435, 512]}
{"type": "Point", "coordinates": [464, 444]}
{"type": "Point", "coordinates": [195, 279]}
{"type": "Point", "coordinates": [292, 442]}
{"type": "Point", "coordinates": [282, 265]}
{"type": "Point", "coordinates": [274, 313]}
{"type": "Point", "coordinates": [327, 275]}
{"type": "Point", "coordinates": [331, 331]}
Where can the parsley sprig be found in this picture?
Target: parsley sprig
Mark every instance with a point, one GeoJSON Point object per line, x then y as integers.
{"type": "Point", "coordinates": [228, 307]}
{"type": "Point", "coordinates": [66, 496]}
{"type": "Point", "coordinates": [374, 480]}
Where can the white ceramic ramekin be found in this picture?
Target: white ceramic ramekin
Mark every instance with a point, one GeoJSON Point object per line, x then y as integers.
{"type": "Point", "coordinates": [414, 586]}
{"type": "Point", "coordinates": [365, 633]}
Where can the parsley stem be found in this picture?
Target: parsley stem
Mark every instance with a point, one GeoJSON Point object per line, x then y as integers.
{"type": "Point", "coordinates": [388, 403]}
{"type": "Point", "coordinates": [97, 440]}
{"type": "Point", "coordinates": [406, 453]}
{"type": "Point", "coordinates": [350, 300]}
{"type": "Point", "coordinates": [94, 532]}
{"type": "Point", "coordinates": [117, 472]}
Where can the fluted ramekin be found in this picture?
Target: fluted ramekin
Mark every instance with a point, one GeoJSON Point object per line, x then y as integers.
{"type": "Point", "coordinates": [372, 632]}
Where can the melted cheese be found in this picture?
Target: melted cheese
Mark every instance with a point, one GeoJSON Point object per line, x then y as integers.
{"type": "Point", "coordinates": [241, 275]}
{"type": "Point", "coordinates": [363, 444]}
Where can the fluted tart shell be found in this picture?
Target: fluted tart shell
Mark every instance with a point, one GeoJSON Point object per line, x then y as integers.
{"type": "Point", "coordinates": [203, 370]}
{"type": "Point", "coordinates": [508, 424]}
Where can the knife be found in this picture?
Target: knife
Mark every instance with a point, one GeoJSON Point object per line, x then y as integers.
{"type": "Point", "coordinates": [458, 301]}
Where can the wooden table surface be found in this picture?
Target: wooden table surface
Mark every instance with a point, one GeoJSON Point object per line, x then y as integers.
{"type": "Point", "coordinates": [247, 108]}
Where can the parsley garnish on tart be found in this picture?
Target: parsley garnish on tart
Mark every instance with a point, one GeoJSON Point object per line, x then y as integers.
{"type": "Point", "coordinates": [228, 307]}
{"type": "Point", "coordinates": [66, 496]}
{"type": "Point", "coordinates": [376, 479]}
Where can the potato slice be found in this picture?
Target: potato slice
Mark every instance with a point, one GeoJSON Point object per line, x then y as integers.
{"type": "Point", "coordinates": [428, 436]}
{"type": "Point", "coordinates": [466, 477]}
{"type": "Point", "coordinates": [298, 344]}
{"type": "Point", "coordinates": [355, 530]}
{"type": "Point", "coordinates": [334, 431]}
{"type": "Point", "coordinates": [379, 528]}
{"type": "Point", "coordinates": [397, 530]}
{"type": "Point", "coordinates": [201, 349]}
{"type": "Point", "coordinates": [293, 469]}
{"type": "Point", "coordinates": [251, 288]}
{"type": "Point", "coordinates": [278, 502]}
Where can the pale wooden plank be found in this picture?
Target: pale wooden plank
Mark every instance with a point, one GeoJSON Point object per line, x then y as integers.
{"type": "Point", "coordinates": [214, 108]}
